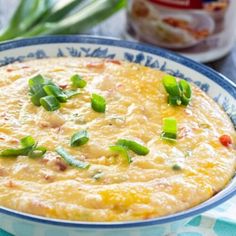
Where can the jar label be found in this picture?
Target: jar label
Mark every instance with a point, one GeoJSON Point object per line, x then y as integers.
{"type": "Point", "coordinates": [202, 29]}
{"type": "Point", "coordinates": [181, 4]}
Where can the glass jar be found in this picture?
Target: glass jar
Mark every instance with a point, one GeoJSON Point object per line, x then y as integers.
{"type": "Point", "coordinates": [200, 29]}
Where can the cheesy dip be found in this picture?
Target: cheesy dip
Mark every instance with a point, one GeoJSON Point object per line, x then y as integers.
{"type": "Point", "coordinates": [100, 153]}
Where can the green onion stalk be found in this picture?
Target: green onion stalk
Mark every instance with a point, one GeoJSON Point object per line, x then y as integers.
{"type": "Point", "coordinates": [45, 17]}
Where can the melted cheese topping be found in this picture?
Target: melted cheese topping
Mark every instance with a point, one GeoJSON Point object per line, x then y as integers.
{"type": "Point", "coordinates": [111, 189]}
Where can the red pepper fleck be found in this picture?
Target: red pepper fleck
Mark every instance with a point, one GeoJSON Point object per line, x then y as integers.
{"type": "Point", "coordinates": [9, 69]}
{"type": "Point", "coordinates": [95, 65]}
{"type": "Point", "coordinates": [117, 62]}
{"type": "Point", "coordinates": [63, 86]}
{"type": "Point", "coordinates": [225, 140]}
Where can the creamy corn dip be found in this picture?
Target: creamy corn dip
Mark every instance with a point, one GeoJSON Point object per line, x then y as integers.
{"type": "Point", "coordinates": [171, 177]}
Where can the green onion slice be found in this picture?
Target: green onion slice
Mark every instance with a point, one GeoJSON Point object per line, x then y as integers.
{"type": "Point", "coordinates": [28, 148]}
{"type": "Point", "coordinates": [176, 167]}
{"type": "Point", "coordinates": [15, 152]}
{"type": "Point", "coordinates": [79, 138]}
{"type": "Point", "coordinates": [50, 103]}
{"type": "Point", "coordinates": [35, 98]}
{"type": "Point", "coordinates": [44, 92]}
{"type": "Point", "coordinates": [122, 151]}
{"type": "Point", "coordinates": [171, 85]}
{"type": "Point", "coordinates": [178, 92]}
{"type": "Point", "coordinates": [169, 129]}
{"type": "Point", "coordinates": [68, 158]}
{"type": "Point", "coordinates": [35, 88]}
{"type": "Point", "coordinates": [71, 93]}
{"type": "Point", "coordinates": [37, 152]}
{"type": "Point", "coordinates": [77, 81]}
{"type": "Point", "coordinates": [186, 92]}
{"type": "Point", "coordinates": [27, 141]}
{"type": "Point", "coordinates": [134, 146]}
{"type": "Point", "coordinates": [98, 103]}
{"type": "Point", "coordinates": [56, 92]}
{"type": "Point", "coordinates": [36, 80]}
{"type": "Point", "coordinates": [174, 100]}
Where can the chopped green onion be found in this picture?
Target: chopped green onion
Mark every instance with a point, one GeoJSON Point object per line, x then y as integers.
{"type": "Point", "coordinates": [56, 92]}
{"type": "Point", "coordinates": [37, 152]}
{"type": "Point", "coordinates": [79, 138]}
{"type": "Point", "coordinates": [77, 81]}
{"type": "Point", "coordinates": [134, 146]}
{"type": "Point", "coordinates": [171, 85]}
{"type": "Point", "coordinates": [35, 98]}
{"type": "Point", "coordinates": [98, 103]}
{"type": "Point", "coordinates": [15, 152]}
{"type": "Point", "coordinates": [50, 103]}
{"type": "Point", "coordinates": [178, 92]}
{"type": "Point", "coordinates": [35, 88]}
{"type": "Point", "coordinates": [176, 167]}
{"type": "Point", "coordinates": [46, 17]}
{"type": "Point", "coordinates": [36, 80]}
{"type": "Point", "coordinates": [44, 92]}
{"type": "Point", "coordinates": [27, 141]}
{"type": "Point", "coordinates": [68, 158]}
{"type": "Point", "coordinates": [28, 148]}
{"type": "Point", "coordinates": [186, 92]}
{"type": "Point", "coordinates": [175, 101]}
{"type": "Point", "coordinates": [71, 93]}
{"type": "Point", "coordinates": [169, 129]}
{"type": "Point", "coordinates": [122, 151]}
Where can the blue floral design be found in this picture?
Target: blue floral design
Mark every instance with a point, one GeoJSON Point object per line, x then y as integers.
{"type": "Point", "coordinates": [154, 63]}
{"type": "Point", "coordinates": [85, 52]}
{"type": "Point", "coordinates": [38, 54]}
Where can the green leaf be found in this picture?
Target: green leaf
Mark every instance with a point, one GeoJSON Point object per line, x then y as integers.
{"type": "Point", "coordinates": [69, 159]}
{"type": "Point", "coordinates": [79, 138]}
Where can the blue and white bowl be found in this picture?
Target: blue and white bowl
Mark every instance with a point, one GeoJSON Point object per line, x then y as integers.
{"type": "Point", "coordinates": [222, 90]}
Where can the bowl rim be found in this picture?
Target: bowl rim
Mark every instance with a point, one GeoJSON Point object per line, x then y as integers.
{"type": "Point", "coordinates": [218, 78]}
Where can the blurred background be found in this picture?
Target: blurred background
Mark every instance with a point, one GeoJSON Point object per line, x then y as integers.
{"type": "Point", "coordinates": [204, 30]}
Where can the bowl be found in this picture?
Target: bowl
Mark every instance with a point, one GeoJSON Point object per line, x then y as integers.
{"type": "Point", "coordinates": [221, 89]}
